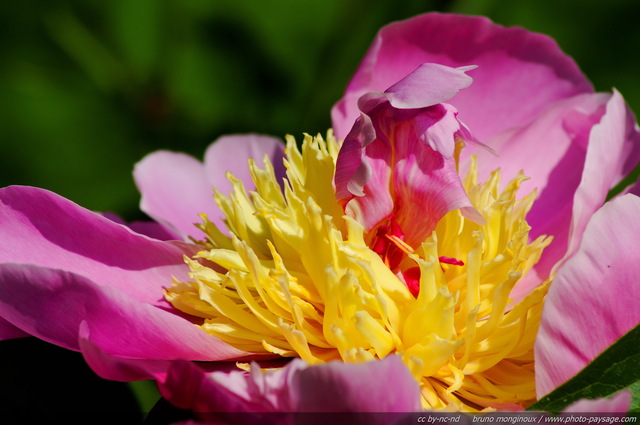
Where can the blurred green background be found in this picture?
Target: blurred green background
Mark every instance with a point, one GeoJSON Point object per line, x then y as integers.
{"type": "Point", "coordinates": [87, 88]}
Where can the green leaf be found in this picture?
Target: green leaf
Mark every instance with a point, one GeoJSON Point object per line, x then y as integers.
{"type": "Point", "coordinates": [613, 370]}
{"type": "Point", "coordinates": [635, 400]}
{"type": "Point", "coordinates": [146, 394]}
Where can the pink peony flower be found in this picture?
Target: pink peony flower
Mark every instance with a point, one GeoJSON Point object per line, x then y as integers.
{"type": "Point", "coordinates": [82, 281]}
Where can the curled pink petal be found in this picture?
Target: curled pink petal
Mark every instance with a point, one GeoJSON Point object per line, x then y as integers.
{"type": "Point", "coordinates": [428, 85]}
{"type": "Point", "coordinates": [397, 164]}
{"type": "Point", "coordinates": [519, 73]}
{"type": "Point", "coordinates": [363, 176]}
{"type": "Point", "coordinates": [426, 185]}
{"type": "Point", "coordinates": [352, 171]}
{"type": "Point", "coordinates": [593, 298]}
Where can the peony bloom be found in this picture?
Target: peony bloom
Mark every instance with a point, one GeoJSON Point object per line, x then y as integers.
{"type": "Point", "coordinates": [417, 253]}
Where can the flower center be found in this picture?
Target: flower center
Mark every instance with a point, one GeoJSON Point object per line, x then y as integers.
{"type": "Point", "coordinates": [298, 278]}
{"type": "Point", "coordinates": [389, 244]}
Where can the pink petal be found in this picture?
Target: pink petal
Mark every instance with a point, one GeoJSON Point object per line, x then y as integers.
{"type": "Point", "coordinates": [363, 175]}
{"type": "Point", "coordinates": [519, 73]}
{"type": "Point", "coordinates": [428, 85]}
{"type": "Point", "coordinates": [8, 331]}
{"type": "Point", "coordinates": [40, 228]}
{"type": "Point", "coordinates": [152, 229]}
{"type": "Point", "coordinates": [590, 143]}
{"type": "Point", "coordinates": [54, 305]}
{"type": "Point", "coordinates": [353, 172]}
{"type": "Point", "coordinates": [426, 185]}
{"type": "Point", "coordinates": [176, 187]}
{"type": "Point", "coordinates": [618, 403]}
{"type": "Point", "coordinates": [189, 386]}
{"type": "Point", "coordinates": [61, 264]}
{"type": "Point", "coordinates": [118, 368]}
{"type": "Point", "coordinates": [593, 299]}
{"type": "Point", "coordinates": [232, 153]}
{"type": "Point", "coordinates": [376, 386]}
{"type": "Point", "coordinates": [614, 150]}
{"type": "Point", "coordinates": [551, 151]}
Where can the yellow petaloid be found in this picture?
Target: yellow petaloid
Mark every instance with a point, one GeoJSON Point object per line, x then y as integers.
{"type": "Point", "coordinates": [297, 278]}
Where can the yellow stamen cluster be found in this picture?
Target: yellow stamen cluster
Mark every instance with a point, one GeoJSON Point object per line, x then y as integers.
{"type": "Point", "coordinates": [296, 278]}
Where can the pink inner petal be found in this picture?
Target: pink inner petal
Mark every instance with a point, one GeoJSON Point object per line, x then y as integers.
{"type": "Point", "coordinates": [397, 164]}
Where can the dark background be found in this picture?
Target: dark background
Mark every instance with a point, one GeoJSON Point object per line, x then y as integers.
{"type": "Point", "coordinates": [87, 88]}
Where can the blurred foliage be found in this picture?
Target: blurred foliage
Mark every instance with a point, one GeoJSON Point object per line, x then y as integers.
{"type": "Point", "coordinates": [89, 87]}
